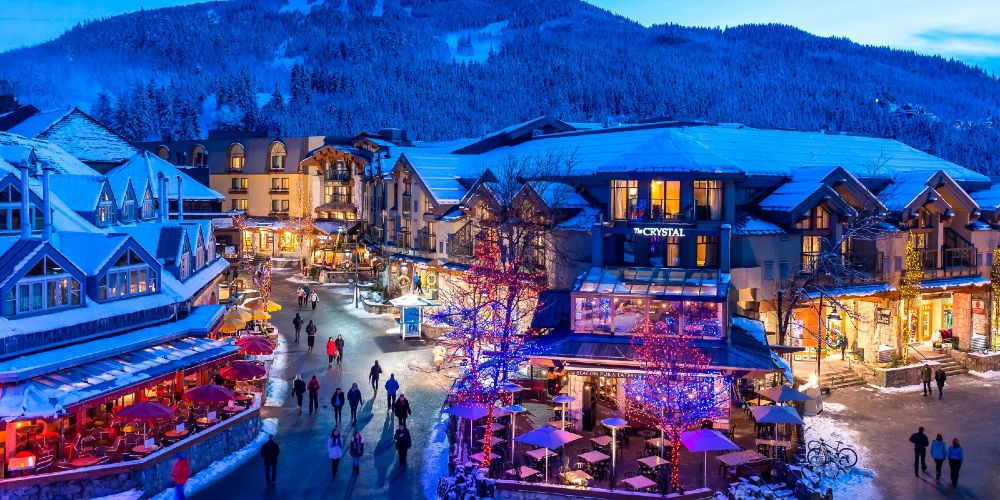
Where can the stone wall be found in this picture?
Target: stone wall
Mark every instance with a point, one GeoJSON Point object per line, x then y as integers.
{"type": "Point", "coordinates": [977, 362]}
{"type": "Point", "coordinates": [151, 474]}
{"type": "Point", "coordinates": [891, 377]}
{"type": "Point", "coordinates": [961, 322]}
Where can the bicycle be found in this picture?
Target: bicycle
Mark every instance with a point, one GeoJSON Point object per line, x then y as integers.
{"type": "Point", "coordinates": [820, 455]}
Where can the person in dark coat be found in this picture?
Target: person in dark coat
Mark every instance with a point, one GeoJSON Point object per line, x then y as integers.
{"type": "Point", "coordinates": [403, 443]}
{"type": "Point", "coordinates": [925, 376]}
{"type": "Point", "coordinates": [940, 376]}
{"type": "Point", "coordinates": [311, 335]}
{"type": "Point", "coordinates": [340, 348]}
{"type": "Point", "coordinates": [391, 388]}
{"type": "Point", "coordinates": [357, 449]}
{"type": "Point", "coordinates": [354, 399]}
{"type": "Point", "coordinates": [337, 401]}
{"type": "Point", "coordinates": [335, 450]}
{"type": "Point", "coordinates": [299, 389]}
{"type": "Point", "coordinates": [270, 452]}
{"type": "Point", "coordinates": [955, 457]}
{"type": "Point", "coordinates": [373, 376]}
{"type": "Point", "coordinates": [402, 409]}
{"type": "Point", "coordinates": [920, 444]}
{"type": "Point", "coordinates": [297, 322]}
{"type": "Point", "coordinates": [313, 394]}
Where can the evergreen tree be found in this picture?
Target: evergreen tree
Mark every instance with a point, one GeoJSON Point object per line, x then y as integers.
{"type": "Point", "coordinates": [102, 110]}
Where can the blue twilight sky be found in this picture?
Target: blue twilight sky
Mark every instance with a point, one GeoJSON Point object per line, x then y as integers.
{"type": "Point", "coordinates": [966, 29]}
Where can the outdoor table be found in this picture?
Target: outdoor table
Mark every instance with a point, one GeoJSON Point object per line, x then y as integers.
{"type": "Point", "coordinates": [207, 421]}
{"type": "Point", "coordinates": [493, 440]}
{"type": "Point", "coordinates": [233, 408]}
{"type": "Point", "coordinates": [522, 472]}
{"type": "Point", "coordinates": [774, 442]}
{"type": "Point", "coordinates": [653, 462]}
{"type": "Point", "coordinates": [172, 434]}
{"type": "Point", "coordinates": [737, 458]}
{"type": "Point", "coordinates": [593, 456]}
{"type": "Point", "coordinates": [577, 477]}
{"type": "Point", "coordinates": [640, 482]}
{"type": "Point", "coordinates": [539, 453]}
{"type": "Point", "coordinates": [84, 461]}
{"type": "Point", "coordinates": [494, 428]}
{"type": "Point", "coordinates": [478, 457]}
{"type": "Point", "coordinates": [142, 449]}
{"type": "Point", "coordinates": [602, 441]}
{"type": "Point", "coordinates": [242, 398]}
{"type": "Point", "coordinates": [655, 442]}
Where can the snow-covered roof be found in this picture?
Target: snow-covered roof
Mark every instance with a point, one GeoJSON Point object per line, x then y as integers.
{"type": "Point", "coordinates": [804, 183]}
{"type": "Point", "coordinates": [441, 172]}
{"type": "Point", "coordinates": [39, 122]}
{"type": "Point", "coordinates": [857, 290]}
{"type": "Point", "coordinates": [89, 251]}
{"type": "Point", "coordinates": [146, 167]}
{"type": "Point", "coordinates": [558, 195]}
{"type": "Point", "coordinates": [953, 282]}
{"type": "Point", "coordinates": [14, 147]}
{"type": "Point", "coordinates": [86, 139]}
{"type": "Point", "coordinates": [582, 221]}
{"type": "Point", "coordinates": [746, 224]}
{"type": "Point", "coordinates": [79, 192]}
{"type": "Point", "coordinates": [989, 198]}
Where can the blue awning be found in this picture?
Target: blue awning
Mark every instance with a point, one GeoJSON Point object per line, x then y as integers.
{"type": "Point", "coordinates": [456, 266]}
{"type": "Point", "coordinates": [409, 258]}
{"type": "Point", "coordinates": [953, 282]}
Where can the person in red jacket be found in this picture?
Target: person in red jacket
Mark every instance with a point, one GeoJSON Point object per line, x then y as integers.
{"type": "Point", "coordinates": [313, 389]}
{"type": "Point", "coordinates": [331, 351]}
{"type": "Point", "coordinates": [180, 474]}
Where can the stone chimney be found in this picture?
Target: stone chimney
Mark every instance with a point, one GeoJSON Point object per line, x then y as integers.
{"type": "Point", "coordinates": [46, 204]}
{"type": "Point", "coordinates": [180, 200]}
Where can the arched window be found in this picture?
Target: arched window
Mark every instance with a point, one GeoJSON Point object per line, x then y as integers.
{"type": "Point", "coordinates": [237, 156]}
{"type": "Point", "coordinates": [277, 155]}
{"type": "Point", "coordinates": [199, 156]}
{"type": "Point", "coordinates": [163, 152]}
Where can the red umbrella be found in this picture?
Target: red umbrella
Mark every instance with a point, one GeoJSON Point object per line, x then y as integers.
{"type": "Point", "coordinates": [205, 394]}
{"type": "Point", "coordinates": [146, 411]}
{"type": "Point", "coordinates": [257, 347]}
{"type": "Point", "coordinates": [242, 370]}
{"type": "Point", "coordinates": [249, 339]}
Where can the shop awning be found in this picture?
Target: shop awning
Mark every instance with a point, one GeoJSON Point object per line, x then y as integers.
{"type": "Point", "coordinates": [665, 283]}
{"type": "Point", "coordinates": [62, 390]}
{"type": "Point", "coordinates": [855, 290]}
{"type": "Point", "coordinates": [336, 226]}
{"type": "Point", "coordinates": [953, 282]}
{"type": "Point", "coordinates": [409, 258]}
{"type": "Point", "coordinates": [456, 266]}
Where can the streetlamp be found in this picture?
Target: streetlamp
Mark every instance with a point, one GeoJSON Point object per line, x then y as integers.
{"type": "Point", "coordinates": [614, 423]}
{"type": "Point", "coordinates": [563, 399]}
{"type": "Point", "coordinates": [514, 410]}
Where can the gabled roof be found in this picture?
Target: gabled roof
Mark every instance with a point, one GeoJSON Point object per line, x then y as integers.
{"type": "Point", "coordinates": [13, 147]}
{"type": "Point", "coordinates": [85, 138]}
{"type": "Point", "coordinates": [811, 186]}
{"type": "Point", "coordinates": [79, 192]}
{"type": "Point", "coordinates": [746, 224]}
{"type": "Point", "coordinates": [440, 173]}
{"type": "Point", "coordinates": [515, 133]}
{"type": "Point", "coordinates": [39, 122]}
{"type": "Point", "coordinates": [146, 167]}
{"type": "Point", "coordinates": [89, 251]}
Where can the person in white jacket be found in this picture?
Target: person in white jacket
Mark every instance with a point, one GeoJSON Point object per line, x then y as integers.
{"type": "Point", "coordinates": [335, 449]}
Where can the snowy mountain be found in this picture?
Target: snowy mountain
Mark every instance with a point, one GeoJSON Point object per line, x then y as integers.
{"type": "Point", "coordinates": [458, 68]}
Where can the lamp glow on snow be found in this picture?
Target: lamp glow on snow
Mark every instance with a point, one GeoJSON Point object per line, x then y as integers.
{"type": "Point", "coordinates": [614, 423]}
{"type": "Point", "coordinates": [563, 399]}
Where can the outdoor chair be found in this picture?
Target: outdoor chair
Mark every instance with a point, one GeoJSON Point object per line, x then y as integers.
{"type": "Point", "coordinates": [44, 464]}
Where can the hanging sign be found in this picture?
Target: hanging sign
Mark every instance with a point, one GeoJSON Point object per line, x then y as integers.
{"type": "Point", "coordinates": [659, 231]}
{"type": "Point", "coordinates": [883, 315]}
{"type": "Point", "coordinates": [978, 306]}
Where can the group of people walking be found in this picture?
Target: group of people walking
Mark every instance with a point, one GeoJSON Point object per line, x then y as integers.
{"type": "Point", "coordinates": [939, 377]}
{"type": "Point", "coordinates": [306, 295]}
{"type": "Point", "coordinates": [939, 453]}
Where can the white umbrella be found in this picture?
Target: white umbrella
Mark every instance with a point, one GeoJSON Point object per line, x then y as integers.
{"type": "Point", "coordinates": [706, 440]}
{"type": "Point", "coordinates": [549, 437]}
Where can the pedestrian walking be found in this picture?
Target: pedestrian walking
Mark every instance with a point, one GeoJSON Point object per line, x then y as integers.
{"type": "Point", "coordinates": [402, 409]}
{"type": "Point", "coordinates": [331, 351]}
{"type": "Point", "coordinates": [311, 335]}
{"type": "Point", "coordinates": [313, 394]}
{"type": "Point", "coordinates": [955, 458]}
{"type": "Point", "coordinates": [418, 286]}
{"type": "Point", "coordinates": [297, 321]}
{"type": "Point", "coordinates": [301, 295]}
{"type": "Point", "coordinates": [337, 401]}
{"type": "Point", "coordinates": [335, 450]}
{"type": "Point", "coordinates": [391, 387]}
{"type": "Point", "coordinates": [314, 299]}
{"type": "Point", "coordinates": [373, 376]}
{"type": "Point", "coordinates": [299, 389]}
{"type": "Point", "coordinates": [403, 443]}
{"type": "Point", "coordinates": [270, 452]}
{"type": "Point", "coordinates": [357, 450]}
{"type": "Point", "coordinates": [340, 348]}
{"type": "Point", "coordinates": [354, 399]}
{"type": "Point", "coordinates": [920, 443]}
{"type": "Point", "coordinates": [940, 376]}
{"type": "Point", "coordinates": [925, 375]}
{"type": "Point", "coordinates": [939, 452]}
{"type": "Point", "coordinates": [180, 474]}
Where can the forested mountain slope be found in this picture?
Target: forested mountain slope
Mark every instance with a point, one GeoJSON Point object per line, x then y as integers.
{"type": "Point", "coordinates": [458, 68]}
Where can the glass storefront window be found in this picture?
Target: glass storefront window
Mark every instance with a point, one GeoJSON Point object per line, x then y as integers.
{"type": "Point", "coordinates": [628, 314]}
{"type": "Point", "coordinates": [592, 314]}
{"type": "Point", "coordinates": [702, 319]}
{"type": "Point", "coordinates": [623, 315]}
{"type": "Point", "coordinates": [664, 200]}
{"type": "Point", "coordinates": [624, 198]}
{"type": "Point", "coordinates": [667, 312]}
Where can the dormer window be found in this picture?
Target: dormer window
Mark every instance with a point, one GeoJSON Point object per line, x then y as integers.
{"type": "Point", "coordinates": [148, 205]}
{"type": "Point", "coordinates": [818, 218]}
{"type": "Point", "coordinates": [237, 157]}
{"type": "Point", "coordinates": [105, 210]}
{"type": "Point", "coordinates": [184, 266]}
{"type": "Point", "coordinates": [130, 275]}
{"type": "Point", "coordinates": [163, 152]}
{"type": "Point", "coordinates": [10, 209]}
{"type": "Point", "coordinates": [46, 286]}
{"type": "Point", "coordinates": [277, 156]}
{"type": "Point", "coordinates": [199, 157]}
{"type": "Point", "coordinates": [128, 206]}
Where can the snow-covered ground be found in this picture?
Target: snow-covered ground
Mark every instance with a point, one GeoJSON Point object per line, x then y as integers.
{"type": "Point", "coordinates": [277, 387]}
{"type": "Point", "coordinates": [483, 40]}
{"type": "Point", "coordinates": [906, 389]}
{"type": "Point", "coordinates": [858, 482]}
{"type": "Point", "coordinates": [435, 458]}
{"type": "Point", "coordinates": [297, 278]}
{"type": "Point", "coordinates": [212, 473]}
{"type": "Point", "coordinates": [990, 375]}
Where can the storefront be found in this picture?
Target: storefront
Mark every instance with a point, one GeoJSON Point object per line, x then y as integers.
{"type": "Point", "coordinates": [951, 308]}
{"type": "Point", "coordinates": [417, 275]}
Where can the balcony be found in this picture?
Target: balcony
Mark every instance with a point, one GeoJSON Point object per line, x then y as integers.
{"type": "Point", "coordinates": [460, 242]}
{"type": "Point", "coordinates": [425, 242]}
{"type": "Point", "coordinates": [339, 198]}
{"type": "Point", "coordinates": [336, 176]}
{"type": "Point", "coordinates": [238, 190]}
{"type": "Point", "coordinates": [867, 264]}
{"type": "Point", "coordinates": [277, 190]}
{"type": "Point", "coordinates": [403, 239]}
{"type": "Point", "coordinates": [954, 262]}
{"type": "Point", "coordinates": [659, 213]}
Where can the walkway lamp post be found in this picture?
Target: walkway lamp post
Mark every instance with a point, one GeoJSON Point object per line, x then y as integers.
{"type": "Point", "coordinates": [563, 399]}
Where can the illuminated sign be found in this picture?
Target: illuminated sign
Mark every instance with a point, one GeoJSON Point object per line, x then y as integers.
{"type": "Point", "coordinates": [659, 231]}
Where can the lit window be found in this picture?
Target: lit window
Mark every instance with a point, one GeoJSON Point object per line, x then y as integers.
{"type": "Point", "coordinates": [708, 251]}
{"type": "Point", "coordinates": [163, 152]}
{"type": "Point", "coordinates": [708, 200]}
{"type": "Point", "coordinates": [130, 275]}
{"type": "Point", "coordinates": [105, 210]}
{"type": "Point", "coordinates": [812, 245]}
{"type": "Point", "coordinates": [624, 200]}
{"type": "Point", "coordinates": [664, 200]}
{"type": "Point", "coordinates": [46, 286]}
{"type": "Point", "coordinates": [199, 157]}
{"type": "Point", "coordinates": [277, 155]}
{"type": "Point", "coordinates": [237, 157]}
{"type": "Point", "coordinates": [148, 205]}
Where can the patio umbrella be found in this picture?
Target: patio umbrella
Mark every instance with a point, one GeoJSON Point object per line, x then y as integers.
{"type": "Point", "coordinates": [469, 412]}
{"type": "Point", "coordinates": [563, 399]}
{"type": "Point", "coordinates": [706, 440]}
{"type": "Point", "coordinates": [239, 312]}
{"type": "Point", "coordinates": [260, 314]}
{"type": "Point", "coordinates": [783, 394]}
{"type": "Point", "coordinates": [253, 339]}
{"type": "Point", "coordinates": [549, 437]}
{"type": "Point", "coordinates": [257, 347]}
{"type": "Point", "coordinates": [242, 370]}
{"type": "Point", "coordinates": [232, 324]}
{"type": "Point", "coordinates": [145, 411]}
{"type": "Point", "coordinates": [207, 394]}
{"type": "Point", "coordinates": [260, 303]}
{"type": "Point", "coordinates": [776, 415]}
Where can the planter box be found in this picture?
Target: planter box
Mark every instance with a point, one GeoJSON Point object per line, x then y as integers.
{"type": "Point", "coordinates": [895, 377]}
{"type": "Point", "coordinates": [977, 362]}
{"type": "Point", "coordinates": [376, 308]}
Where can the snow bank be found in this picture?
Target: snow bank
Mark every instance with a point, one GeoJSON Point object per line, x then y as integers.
{"type": "Point", "coordinates": [906, 389]}
{"type": "Point", "coordinates": [301, 281]}
{"type": "Point", "coordinates": [833, 407]}
{"type": "Point", "coordinates": [125, 495]}
{"type": "Point", "coordinates": [990, 375]}
{"type": "Point", "coordinates": [277, 387]}
{"type": "Point", "coordinates": [435, 458]}
{"type": "Point", "coordinates": [220, 468]}
{"type": "Point", "coordinates": [858, 482]}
